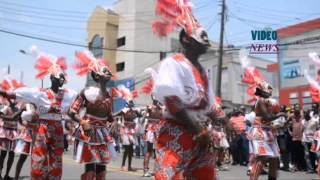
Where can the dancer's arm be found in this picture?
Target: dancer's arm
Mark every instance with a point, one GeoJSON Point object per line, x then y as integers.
{"type": "Point", "coordinates": [7, 94]}
{"type": "Point", "coordinates": [12, 117]}
{"type": "Point", "coordinates": [176, 108]}
{"type": "Point", "coordinates": [267, 116]}
{"type": "Point", "coordinates": [73, 112]}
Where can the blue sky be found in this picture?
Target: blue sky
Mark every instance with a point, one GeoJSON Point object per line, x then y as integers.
{"type": "Point", "coordinates": [55, 20]}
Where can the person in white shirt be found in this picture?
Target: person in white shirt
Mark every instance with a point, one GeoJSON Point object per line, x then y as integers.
{"type": "Point", "coordinates": [309, 123]}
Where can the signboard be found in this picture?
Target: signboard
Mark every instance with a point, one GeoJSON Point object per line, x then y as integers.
{"type": "Point", "coordinates": [119, 103]}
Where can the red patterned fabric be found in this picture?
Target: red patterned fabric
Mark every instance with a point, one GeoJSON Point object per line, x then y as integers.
{"type": "Point", "coordinates": [238, 124]}
{"type": "Point", "coordinates": [47, 150]}
{"type": "Point", "coordinates": [172, 105]}
{"type": "Point", "coordinates": [90, 145]}
{"type": "Point", "coordinates": [8, 131]}
{"type": "Point", "coordinates": [76, 105]}
{"type": "Point", "coordinates": [181, 157]}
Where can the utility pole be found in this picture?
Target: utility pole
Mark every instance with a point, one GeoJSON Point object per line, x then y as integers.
{"type": "Point", "coordinates": [219, 72]}
{"type": "Point", "coordinates": [21, 76]}
{"type": "Point", "coordinates": [9, 69]}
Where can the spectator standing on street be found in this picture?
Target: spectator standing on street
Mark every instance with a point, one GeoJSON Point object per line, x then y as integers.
{"type": "Point", "coordinates": [240, 143]}
{"type": "Point", "coordinates": [296, 132]}
{"type": "Point", "coordinates": [282, 132]}
{"type": "Point", "coordinates": [310, 123]}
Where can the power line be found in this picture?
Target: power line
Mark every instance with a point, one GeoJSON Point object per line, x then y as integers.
{"type": "Point", "coordinates": [41, 25]}
{"type": "Point", "coordinates": [79, 45]}
{"type": "Point", "coordinates": [310, 40]}
{"type": "Point", "coordinates": [270, 10]}
{"type": "Point", "coordinates": [64, 13]}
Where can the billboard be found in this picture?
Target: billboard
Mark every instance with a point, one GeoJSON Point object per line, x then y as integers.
{"type": "Point", "coordinates": [119, 103]}
{"type": "Point", "coordinates": [292, 72]}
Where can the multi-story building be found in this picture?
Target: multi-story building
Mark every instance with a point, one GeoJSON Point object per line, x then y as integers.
{"type": "Point", "coordinates": [130, 45]}
{"type": "Point", "coordinates": [296, 42]}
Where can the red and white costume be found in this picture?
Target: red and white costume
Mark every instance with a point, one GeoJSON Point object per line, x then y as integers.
{"type": "Point", "coordinates": [91, 146]}
{"type": "Point", "coordinates": [217, 131]}
{"type": "Point", "coordinates": [179, 155]}
{"type": "Point", "coordinates": [128, 127]}
{"type": "Point", "coordinates": [177, 148]}
{"type": "Point", "coordinates": [262, 139]}
{"type": "Point", "coordinates": [152, 127]}
{"type": "Point", "coordinates": [47, 150]}
{"type": "Point", "coordinates": [8, 129]}
{"type": "Point", "coordinates": [29, 123]}
{"type": "Point", "coordinates": [261, 136]}
{"type": "Point", "coordinates": [95, 144]}
{"type": "Point", "coordinates": [48, 145]}
{"type": "Point", "coordinates": [315, 95]}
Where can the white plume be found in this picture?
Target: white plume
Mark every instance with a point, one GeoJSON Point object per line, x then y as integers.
{"type": "Point", "coordinates": [243, 56]}
{"type": "Point", "coordinates": [152, 72]}
{"type": "Point", "coordinates": [315, 58]}
{"type": "Point", "coordinates": [34, 50]}
{"type": "Point", "coordinates": [311, 81]}
{"type": "Point", "coordinates": [92, 94]}
{"type": "Point", "coordinates": [245, 61]}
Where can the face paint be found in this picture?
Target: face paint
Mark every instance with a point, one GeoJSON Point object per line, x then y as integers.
{"type": "Point", "coordinates": [201, 36]}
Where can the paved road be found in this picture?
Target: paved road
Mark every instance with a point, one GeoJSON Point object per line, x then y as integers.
{"type": "Point", "coordinates": [72, 170]}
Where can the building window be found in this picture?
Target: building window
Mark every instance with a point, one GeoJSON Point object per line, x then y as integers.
{"type": "Point", "coordinates": [120, 66]}
{"type": "Point", "coordinates": [96, 46]}
{"type": "Point", "coordinates": [121, 41]}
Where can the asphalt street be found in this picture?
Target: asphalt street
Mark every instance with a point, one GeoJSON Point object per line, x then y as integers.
{"type": "Point", "coordinates": [73, 170]}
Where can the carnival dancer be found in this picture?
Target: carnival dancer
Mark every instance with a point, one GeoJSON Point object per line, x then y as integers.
{"type": "Point", "coordinates": [27, 125]}
{"type": "Point", "coordinates": [127, 135]}
{"type": "Point", "coordinates": [154, 114]}
{"type": "Point", "coordinates": [128, 127]}
{"type": "Point", "coordinates": [217, 127]}
{"type": "Point", "coordinates": [240, 142]}
{"type": "Point", "coordinates": [92, 144]}
{"type": "Point", "coordinates": [9, 114]}
{"type": "Point", "coordinates": [262, 140]}
{"type": "Point", "coordinates": [315, 96]}
{"type": "Point", "coordinates": [51, 103]}
{"type": "Point", "coordinates": [182, 86]}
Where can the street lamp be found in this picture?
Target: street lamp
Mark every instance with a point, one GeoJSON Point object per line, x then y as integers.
{"type": "Point", "coordinates": [29, 54]}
